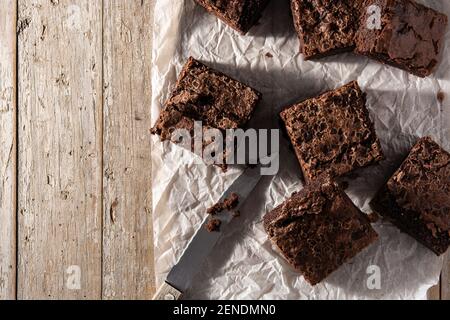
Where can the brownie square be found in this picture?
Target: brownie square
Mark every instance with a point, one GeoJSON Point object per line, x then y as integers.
{"type": "Point", "coordinates": [417, 197]}
{"type": "Point", "coordinates": [241, 15]}
{"type": "Point", "coordinates": [206, 95]}
{"type": "Point", "coordinates": [410, 35]}
{"type": "Point", "coordinates": [319, 229]}
{"type": "Point", "coordinates": [333, 133]}
{"type": "Point", "coordinates": [325, 27]}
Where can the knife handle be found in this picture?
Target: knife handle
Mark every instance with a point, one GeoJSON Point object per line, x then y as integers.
{"type": "Point", "coordinates": [167, 292]}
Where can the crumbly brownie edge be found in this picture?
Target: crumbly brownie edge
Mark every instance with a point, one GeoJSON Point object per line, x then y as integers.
{"type": "Point", "coordinates": [385, 204]}
{"type": "Point", "coordinates": [384, 58]}
{"type": "Point", "coordinates": [240, 26]}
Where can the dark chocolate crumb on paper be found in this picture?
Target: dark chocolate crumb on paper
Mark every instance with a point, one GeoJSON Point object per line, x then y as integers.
{"type": "Point", "coordinates": [215, 209]}
{"type": "Point", "coordinates": [229, 203]}
{"type": "Point", "coordinates": [213, 225]}
{"type": "Point", "coordinates": [269, 55]}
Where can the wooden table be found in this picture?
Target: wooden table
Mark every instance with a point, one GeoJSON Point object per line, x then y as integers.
{"type": "Point", "coordinates": [75, 192]}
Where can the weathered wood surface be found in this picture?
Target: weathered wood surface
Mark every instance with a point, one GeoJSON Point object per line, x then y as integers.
{"type": "Point", "coordinates": [445, 278]}
{"type": "Point", "coordinates": [8, 149]}
{"type": "Point", "coordinates": [60, 149]}
{"type": "Point", "coordinates": [127, 234]}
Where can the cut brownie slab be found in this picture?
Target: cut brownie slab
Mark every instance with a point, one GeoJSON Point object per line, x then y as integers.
{"type": "Point", "coordinates": [333, 133]}
{"type": "Point", "coordinates": [241, 15]}
{"type": "Point", "coordinates": [417, 197]}
{"type": "Point", "coordinates": [402, 33]}
{"type": "Point", "coordinates": [319, 229]}
{"type": "Point", "coordinates": [325, 27]}
{"type": "Point", "coordinates": [206, 95]}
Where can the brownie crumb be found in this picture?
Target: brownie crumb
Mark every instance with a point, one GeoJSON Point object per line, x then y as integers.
{"type": "Point", "coordinates": [269, 55]}
{"type": "Point", "coordinates": [213, 225]}
{"type": "Point", "coordinates": [215, 209]}
{"type": "Point", "coordinates": [441, 96]}
{"type": "Point", "coordinates": [229, 203]}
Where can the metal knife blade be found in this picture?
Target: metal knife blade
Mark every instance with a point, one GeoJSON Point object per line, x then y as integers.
{"type": "Point", "coordinates": [182, 274]}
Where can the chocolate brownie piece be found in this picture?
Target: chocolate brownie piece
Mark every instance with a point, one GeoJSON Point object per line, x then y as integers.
{"type": "Point", "coordinates": [402, 33]}
{"type": "Point", "coordinates": [417, 197]}
{"type": "Point", "coordinates": [206, 95]}
{"type": "Point", "coordinates": [333, 133]}
{"type": "Point", "coordinates": [241, 15]}
{"type": "Point", "coordinates": [319, 229]}
{"type": "Point", "coordinates": [325, 27]}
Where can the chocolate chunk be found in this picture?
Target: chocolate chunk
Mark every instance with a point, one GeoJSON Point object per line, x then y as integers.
{"type": "Point", "coordinates": [240, 15]}
{"type": "Point", "coordinates": [333, 133]}
{"type": "Point", "coordinates": [325, 27]}
{"type": "Point", "coordinates": [206, 95]}
{"type": "Point", "coordinates": [215, 209]}
{"type": "Point", "coordinates": [213, 225]}
{"type": "Point", "coordinates": [417, 197]}
{"type": "Point", "coordinates": [402, 33]}
{"type": "Point", "coordinates": [319, 229]}
{"type": "Point", "coordinates": [229, 204]}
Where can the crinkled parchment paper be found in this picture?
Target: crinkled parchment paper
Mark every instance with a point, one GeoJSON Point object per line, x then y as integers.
{"type": "Point", "coordinates": [244, 265]}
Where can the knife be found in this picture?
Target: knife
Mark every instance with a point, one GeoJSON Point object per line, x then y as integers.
{"type": "Point", "coordinates": [203, 242]}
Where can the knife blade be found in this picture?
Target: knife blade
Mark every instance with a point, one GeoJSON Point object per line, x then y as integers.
{"type": "Point", "coordinates": [203, 242]}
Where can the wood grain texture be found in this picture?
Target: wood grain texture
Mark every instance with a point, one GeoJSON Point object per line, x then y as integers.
{"type": "Point", "coordinates": [434, 293]}
{"type": "Point", "coordinates": [445, 278]}
{"type": "Point", "coordinates": [8, 149]}
{"type": "Point", "coordinates": [167, 292]}
{"type": "Point", "coordinates": [60, 149]}
{"type": "Point", "coordinates": [128, 271]}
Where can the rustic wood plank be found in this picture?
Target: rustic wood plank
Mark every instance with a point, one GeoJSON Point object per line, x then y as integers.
{"type": "Point", "coordinates": [445, 278]}
{"type": "Point", "coordinates": [60, 149]}
{"type": "Point", "coordinates": [128, 271]}
{"type": "Point", "coordinates": [8, 149]}
{"type": "Point", "coordinates": [435, 293]}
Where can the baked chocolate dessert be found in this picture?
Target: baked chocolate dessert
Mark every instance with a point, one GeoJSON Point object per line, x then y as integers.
{"type": "Point", "coordinates": [319, 229]}
{"type": "Point", "coordinates": [417, 197]}
{"type": "Point", "coordinates": [326, 27]}
{"type": "Point", "coordinates": [333, 133]}
{"type": "Point", "coordinates": [241, 15]}
{"type": "Point", "coordinates": [402, 33]}
{"type": "Point", "coordinates": [206, 95]}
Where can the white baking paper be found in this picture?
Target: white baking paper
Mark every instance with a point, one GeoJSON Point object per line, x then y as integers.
{"type": "Point", "coordinates": [244, 264]}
